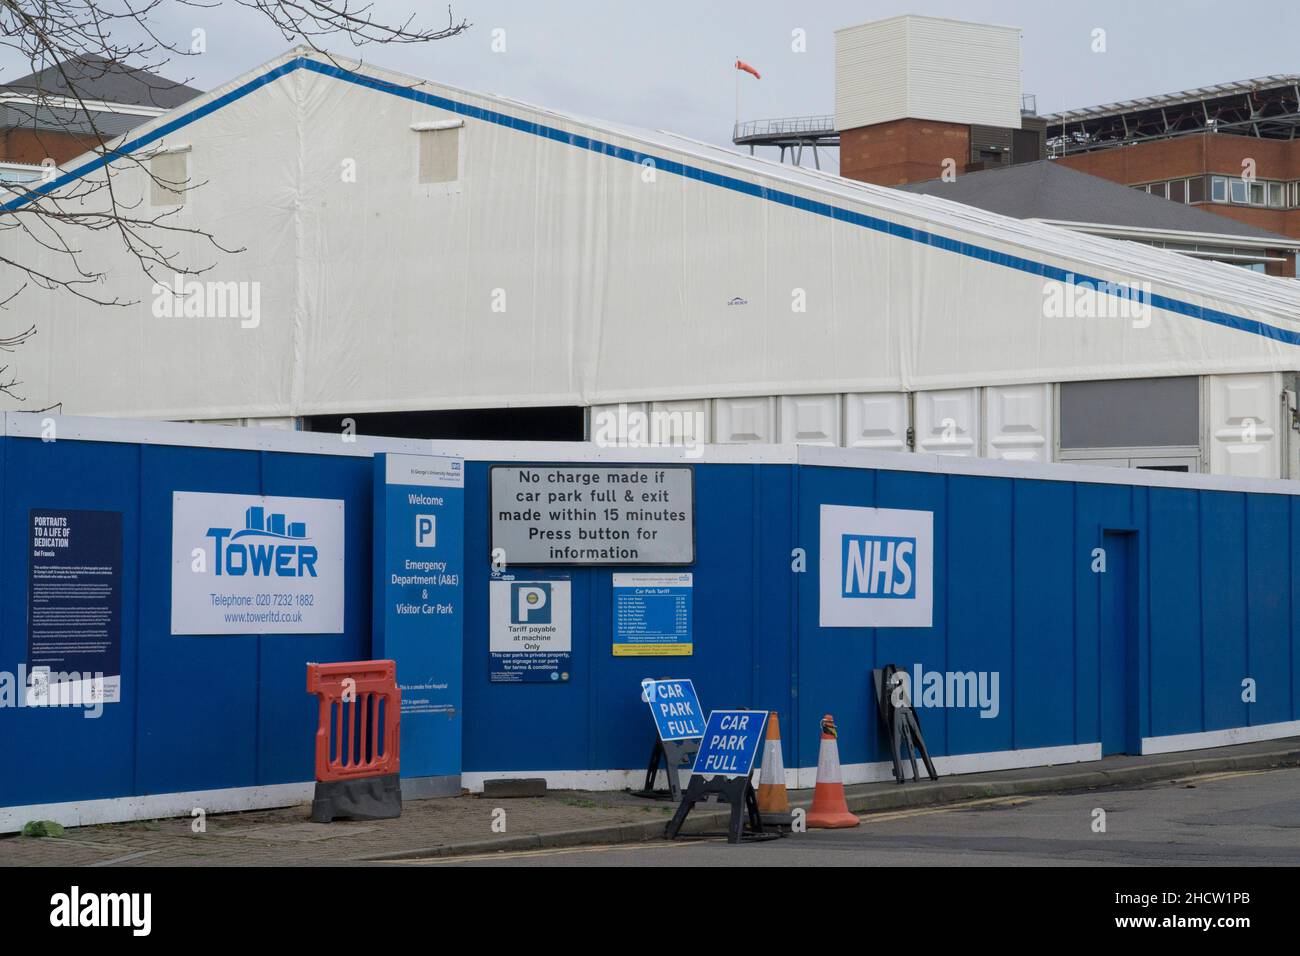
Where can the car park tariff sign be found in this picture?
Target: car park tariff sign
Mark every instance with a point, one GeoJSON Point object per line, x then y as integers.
{"type": "Point", "coordinates": [593, 515]}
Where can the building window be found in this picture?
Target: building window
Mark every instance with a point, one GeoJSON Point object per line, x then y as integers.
{"type": "Point", "coordinates": [1219, 189]}
{"type": "Point", "coordinates": [1277, 194]}
{"type": "Point", "coordinates": [1239, 191]}
{"type": "Point", "coordinates": [1178, 190]}
{"type": "Point", "coordinates": [170, 175]}
{"type": "Point", "coordinates": [1138, 413]}
{"type": "Point", "coordinates": [1196, 189]}
{"type": "Point", "coordinates": [438, 160]}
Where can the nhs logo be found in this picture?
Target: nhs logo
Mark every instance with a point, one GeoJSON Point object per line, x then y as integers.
{"type": "Point", "coordinates": [876, 567]}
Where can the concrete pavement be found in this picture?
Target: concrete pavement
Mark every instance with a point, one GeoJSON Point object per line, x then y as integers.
{"type": "Point", "coordinates": [1234, 818]}
{"type": "Point", "coordinates": [470, 825]}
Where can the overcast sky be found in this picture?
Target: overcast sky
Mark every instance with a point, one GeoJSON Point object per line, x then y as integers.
{"type": "Point", "coordinates": [667, 65]}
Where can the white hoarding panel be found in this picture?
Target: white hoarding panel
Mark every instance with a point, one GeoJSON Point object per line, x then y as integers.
{"type": "Point", "coordinates": [1243, 425]}
{"type": "Point", "coordinates": [1018, 422]}
{"type": "Point", "coordinates": [947, 422]}
{"type": "Point", "coordinates": [680, 423]}
{"type": "Point", "coordinates": [252, 564]}
{"type": "Point", "coordinates": [744, 420]}
{"type": "Point", "coordinates": [876, 420]}
{"type": "Point", "coordinates": [810, 419]}
{"type": "Point", "coordinates": [618, 424]}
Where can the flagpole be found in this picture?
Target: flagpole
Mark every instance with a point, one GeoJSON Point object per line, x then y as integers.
{"type": "Point", "coordinates": [736, 70]}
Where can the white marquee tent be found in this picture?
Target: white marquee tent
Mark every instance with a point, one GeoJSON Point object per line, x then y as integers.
{"type": "Point", "coordinates": [409, 246]}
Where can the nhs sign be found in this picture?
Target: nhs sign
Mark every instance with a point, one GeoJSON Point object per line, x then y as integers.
{"type": "Point", "coordinates": [876, 567]}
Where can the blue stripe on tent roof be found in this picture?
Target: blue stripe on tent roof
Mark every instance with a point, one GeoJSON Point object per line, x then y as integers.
{"type": "Point", "coordinates": [676, 168]}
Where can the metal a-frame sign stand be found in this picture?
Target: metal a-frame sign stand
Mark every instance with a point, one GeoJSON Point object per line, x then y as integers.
{"type": "Point", "coordinates": [738, 792]}
{"type": "Point", "coordinates": [675, 755]}
{"type": "Point", "coordinates": [678, 728]}
{"type": "Point", "coordinates": [901, 724]}
{"type": "Point", "coordinates": [732, 747]}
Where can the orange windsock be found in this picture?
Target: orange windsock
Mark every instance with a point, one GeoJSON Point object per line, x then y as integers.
{"type": "Point", "coordinates": [742, 65]}
{"type": "Point", "coordinates": [829, 808]}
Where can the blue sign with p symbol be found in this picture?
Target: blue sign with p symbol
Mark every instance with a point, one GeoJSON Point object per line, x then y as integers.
{"type": "Point", "coordinates": [426, 531]}
{"type": "Point", "coordinates": [530, 603]}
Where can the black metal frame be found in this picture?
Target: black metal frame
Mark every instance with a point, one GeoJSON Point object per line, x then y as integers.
{"type": "Point", "coordinates": [901, 725]}
{"type": "Point", "coordinates": [736, 791]}
{"type": "Point", "coordinates": [675, 755]}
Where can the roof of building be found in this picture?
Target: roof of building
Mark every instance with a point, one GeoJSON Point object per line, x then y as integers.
{"type": "Point", "coordinates": [683, 292]}
{"type": "Point", "coordinates": [1196, 95]}
{"type": "Point", "coordinates": [1049, 191]}
{"type": "Point", "coordinates": [1266, 108]}
{"type": "Point", "coordinates": [107, 81]}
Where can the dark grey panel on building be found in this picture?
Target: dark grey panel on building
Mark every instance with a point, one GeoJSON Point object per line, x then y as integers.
{"type": "Point", "coordinates": [1131, 413]}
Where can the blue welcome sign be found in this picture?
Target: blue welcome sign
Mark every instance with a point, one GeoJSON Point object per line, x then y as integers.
{"type": "Point", "coordinates": [675, 708]}
{"type": "Point", "coordinates": [730, 744]}
{"type": "Point", "coordinates": [419, 568]}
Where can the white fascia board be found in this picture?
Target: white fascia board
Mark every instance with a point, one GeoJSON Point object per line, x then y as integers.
{"type": "Point", "coordinates": [72, 103]}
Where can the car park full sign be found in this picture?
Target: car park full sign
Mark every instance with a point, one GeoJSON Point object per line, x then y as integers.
{"type": "Point", "coordinates": [730, 744]}
{"type": "Point", "coordinates": [675, 708]}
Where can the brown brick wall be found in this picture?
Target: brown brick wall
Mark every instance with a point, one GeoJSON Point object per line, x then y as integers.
{"type": "Point", "coordinates": [34, 146]}
{"type": "Point", "coordinates": [1190, 156]}
{"type": "Point", "coordinates": [1198, 155]}
{"type": "Point", "coordinates": [1274, 220]}
{"type": "Point", "coordinates": [1286, 269]}
{"type": "Point", "coordinates": [902, 151]}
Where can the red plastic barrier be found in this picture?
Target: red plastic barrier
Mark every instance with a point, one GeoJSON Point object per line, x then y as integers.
{"type": "Point", "coordinates": [366, 740]}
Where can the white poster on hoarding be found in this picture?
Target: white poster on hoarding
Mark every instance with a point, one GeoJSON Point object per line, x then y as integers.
{"type": "Point", "coordinates": [251, 564]}
{"type": "Point", "coordinates": [877, 567]}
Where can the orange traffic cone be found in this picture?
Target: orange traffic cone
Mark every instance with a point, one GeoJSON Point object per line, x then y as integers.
{"type": "Point", "coordinates": [829, 809]}
{"type": "Point", "coordinates": [773, 801]}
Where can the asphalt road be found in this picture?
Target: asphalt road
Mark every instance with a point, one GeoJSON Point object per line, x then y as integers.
{"type": "Point", "coordinates": [1243, 818]}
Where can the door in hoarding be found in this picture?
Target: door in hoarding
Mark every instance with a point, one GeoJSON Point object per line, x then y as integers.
{"type": "Point", "coordinates": [1118, 654]}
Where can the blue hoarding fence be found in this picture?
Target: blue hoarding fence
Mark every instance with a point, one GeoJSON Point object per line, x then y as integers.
{"type": "Point", "coordinates": [1023, 653]}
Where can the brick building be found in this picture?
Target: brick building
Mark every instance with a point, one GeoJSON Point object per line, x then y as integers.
{"type": "Point", "coordinates": [63, 110]}
{"type": "Point", "coordinates": [1230, 149]}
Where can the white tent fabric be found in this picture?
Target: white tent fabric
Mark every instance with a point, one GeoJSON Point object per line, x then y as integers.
{"type": "Point", "coordinates": [573, 262]}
